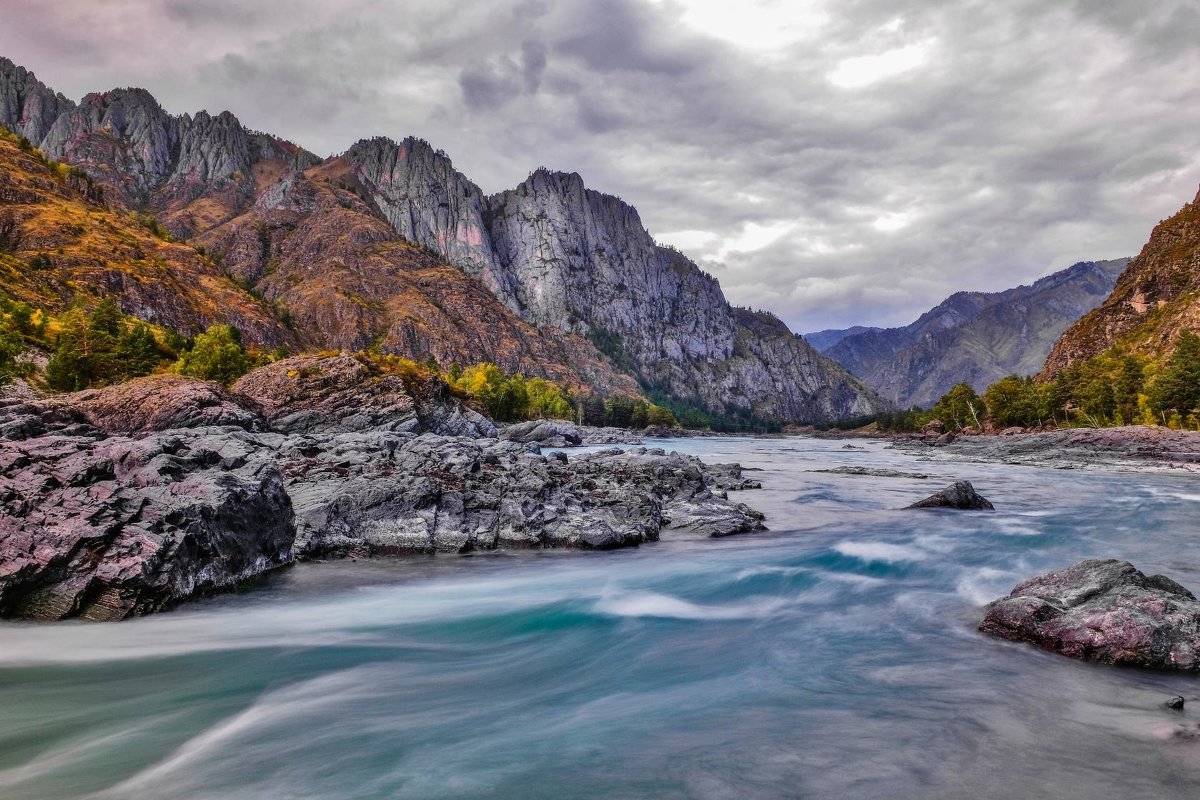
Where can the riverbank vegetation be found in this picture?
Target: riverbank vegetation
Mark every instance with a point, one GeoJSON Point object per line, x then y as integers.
{"type": "Point", "coordinates": [1111, 389]}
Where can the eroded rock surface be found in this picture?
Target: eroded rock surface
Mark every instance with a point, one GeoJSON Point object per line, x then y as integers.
{"type": "Point", "coordinates": [1103, 610]}
{"type": "Point", "coordinates": [107, 512]}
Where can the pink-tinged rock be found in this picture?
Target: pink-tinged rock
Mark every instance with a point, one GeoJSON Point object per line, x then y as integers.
{"type": "Point", "coordinates": [1103, 610]}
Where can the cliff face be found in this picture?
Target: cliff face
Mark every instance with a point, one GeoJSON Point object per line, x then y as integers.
{"type": "Point", "coordinates": [568, 272]}
{"type": "Point", "coordinates": [312, 245]}
{"type": "Point", "coordinates": [1154, 300]}
{"type": "Point", "coordinates": [568, 258]}
{"type": "Point", "coordinates": [974, 337]}
{"type": "Point", "coordinates": [27, 107]}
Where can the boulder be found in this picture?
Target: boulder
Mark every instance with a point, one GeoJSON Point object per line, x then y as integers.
{"type": "Point", "coordinates": [162, 402]}
{"type": "Point", "coordinates": [342, 393]}
{"type": "Point", "coordinates": [933, 429]}
{"type": "Point", "coordinates": [961, 495]}
{"type": "Point", "coordinates": [1106, 611]}
{"type": "Point", "coordinates": [545, 432]}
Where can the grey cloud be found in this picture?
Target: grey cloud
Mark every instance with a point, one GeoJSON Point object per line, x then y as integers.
{"type": "Point", "coordinates": [1035, 134]}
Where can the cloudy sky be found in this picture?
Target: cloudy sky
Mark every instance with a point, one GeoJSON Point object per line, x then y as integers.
{"type": "Point", "coordinates": [840, 162]}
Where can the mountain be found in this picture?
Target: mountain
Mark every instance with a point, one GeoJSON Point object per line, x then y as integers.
{"type": "Point", "coordinates": [387, 245]}
{"type": "Point", "coordinates": [973, 337]}
{"type": "Point", "coordinates": [58, 243]}
{"type": "Point", "coordinates": [1154, 300]}
{"type": "Point", "coordinates": [824, 340]}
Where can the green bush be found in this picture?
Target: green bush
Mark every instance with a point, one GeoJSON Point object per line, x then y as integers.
{"type": "Point", "coordinates": [217, 355]}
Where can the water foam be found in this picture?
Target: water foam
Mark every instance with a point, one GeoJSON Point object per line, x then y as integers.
{"type": "Point", "coordinates": [663, 606]}
{"type": "Point", "coordinates": [880, 551]}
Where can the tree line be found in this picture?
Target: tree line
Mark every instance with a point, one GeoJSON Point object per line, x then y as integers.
{"type": "Point", "coordinates": [1108, 389]}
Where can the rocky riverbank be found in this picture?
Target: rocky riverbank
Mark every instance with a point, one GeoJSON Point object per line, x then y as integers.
{"type": "Point", "coordinates": [1134, 447]}
{"type": "Point", "coordinates": [130, 499]}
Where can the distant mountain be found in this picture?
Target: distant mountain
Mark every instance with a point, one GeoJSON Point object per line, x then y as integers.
{"type": "Point", "coordinates": [388, 246]}
{"type": "Point", "coordinates": [823, 340]}
{"type": "Point", "coordinates": [1155, 299]}
{"type": "Point", "coordinates": [972, 337]}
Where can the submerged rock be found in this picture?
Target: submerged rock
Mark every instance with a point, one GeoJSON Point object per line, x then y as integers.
{"type": "Point", "coordinates": [1103, 610]}
{"type": "Point", "coordinates": [961, 495]}
{"type": "Point", "coordinates": [872, 472]}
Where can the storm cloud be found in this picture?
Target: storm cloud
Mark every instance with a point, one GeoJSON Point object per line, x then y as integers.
{"type": "Point", "coordinates": [835, 162]}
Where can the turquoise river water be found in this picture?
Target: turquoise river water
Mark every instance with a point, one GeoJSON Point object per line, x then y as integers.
{"type": "Point", "coordinates": [834, 656]}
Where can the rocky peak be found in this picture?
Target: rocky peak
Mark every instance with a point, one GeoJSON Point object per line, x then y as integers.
{"type": "Point", "coordinates": [212, 150]}
{"type": "Point", "coordinates": [123, 135]}
{"type": "Point", "coordinates": [27, 106]}
{"type": "Point", "coordinates": [428, 202]}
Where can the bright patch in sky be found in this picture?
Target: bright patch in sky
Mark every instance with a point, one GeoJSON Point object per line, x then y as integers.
{"type": "Point", "coordinates": [860, 71]}
{"type": "Point", "coordinates": [755, 237]}
{"type": "Point", "coordinates": [889, 223]}
{"type": "Point", "coordinates": [763, 25]}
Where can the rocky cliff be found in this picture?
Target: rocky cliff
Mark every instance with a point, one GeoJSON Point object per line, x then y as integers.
{"type": "Point", "coordinates": [1154, 300]}
{"type": "Point", "coordinates": [582, 288]}
{"type": "Point", "coordinates": [973, 337]}
{"type": "Point", "coordinates": [565, 257]}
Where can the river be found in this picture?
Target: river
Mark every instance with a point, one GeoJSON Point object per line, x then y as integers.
{"type": "Point", "coordinates": [834, 656]}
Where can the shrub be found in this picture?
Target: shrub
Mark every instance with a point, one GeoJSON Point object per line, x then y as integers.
{"type": "Point", "coordinates": [216, 355]}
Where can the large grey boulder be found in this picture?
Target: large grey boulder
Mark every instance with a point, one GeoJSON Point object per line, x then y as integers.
{"type": "Point", "coordinates": [545, 432]}
{"type": "Point", "coordinates": [1103, 610]}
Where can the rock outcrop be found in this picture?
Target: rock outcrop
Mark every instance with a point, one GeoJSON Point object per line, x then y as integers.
{"type": "Point", "coordinates": [130, 499]}
{"type": "Point", "coordinates": [27, 107]}
{"type": "Point", "coordinates": [971, 337]}
{"type": "Point", "coordinates": [545, 432]}
{"type": "Point", "coordinates": [960, 495]}
{"type": "Point", "coordinates": [339, 394]}
{"type": "Point", "coordinates": [1105, 611]}
{"type": "Point", "coordinates": [104, 527]}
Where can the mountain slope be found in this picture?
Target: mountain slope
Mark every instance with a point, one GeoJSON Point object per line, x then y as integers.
{"type": "Point", "coordinates": [974, 337]}
{"type": "Point", "coordinates": [575, 284]}
{"type": "Point", "coordinates": [1156, 298]}
{"type": "Point", "coordinates": [59, 245]}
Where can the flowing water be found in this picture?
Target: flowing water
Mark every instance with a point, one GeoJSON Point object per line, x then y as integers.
{"type": "Point", "coordinates": [834, 656]}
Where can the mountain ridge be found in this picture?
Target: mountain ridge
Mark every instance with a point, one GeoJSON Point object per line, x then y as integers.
{"type": "Point", "coordinates": [573, 263]}
{"type": "Point", "coordinates": [974, 337]}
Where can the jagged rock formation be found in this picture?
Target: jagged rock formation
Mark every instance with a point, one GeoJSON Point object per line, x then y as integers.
{"type": "Point", "coordinates": [1154, 300]}
{"type": "Point", "coordinates": [574, 265]}
{"type": "Point", "coordinates": [27, 107]}
{"type": "Point", "coordinates": [130, 499]}
{"type": "Point", "coordinates": [972, 337]}
{"type": "Point", "coordinates": [313, 245]}
{"type": "Point", "coordinates": [1107, 611]}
